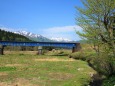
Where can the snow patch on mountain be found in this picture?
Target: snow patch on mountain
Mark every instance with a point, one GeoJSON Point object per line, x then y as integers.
{"type": "Point", "coordinates": [27, 34]}
{"type": "Point", "coordinates": [34, 37]}
{"type": "Point", "coordinates": [60, 39]}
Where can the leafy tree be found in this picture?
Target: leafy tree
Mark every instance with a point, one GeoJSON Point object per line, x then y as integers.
{"type": "Point", "coordinates": [97, 18]}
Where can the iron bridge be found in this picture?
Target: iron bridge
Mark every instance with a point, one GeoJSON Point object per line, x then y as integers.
{"type": "Point", "coordinates": [55, 44]}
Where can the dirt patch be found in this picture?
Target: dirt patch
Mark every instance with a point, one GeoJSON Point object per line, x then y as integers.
{"type": "Point", "coordinates": [54, 59]}
{"type": "Point", "coordinates": [60, 76]}
{"type": "Point", "coordinates": [18, 82]}
{"type": "Point", "coordinates": [3, 84]}
{"type": "Point", "coordinates": [13, 65]}
{"type": "Point", "coordinates": [22, 82]}
{"type": "Point", "coordinates": [21, 52]}
{"type": "Point", "coordinates": [3, 74]}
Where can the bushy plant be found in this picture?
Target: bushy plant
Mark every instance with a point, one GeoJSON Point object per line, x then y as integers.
{"type": "Point", "coordinates": [109, 82]}
{"type": "Point", "coordinates": [80, 55]}
{"type": "Point", "coordinates": [104, 64]}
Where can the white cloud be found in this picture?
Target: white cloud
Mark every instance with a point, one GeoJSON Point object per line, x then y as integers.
{"type": "Point", "coordinates": [63, 29]}
{"type": "Point", "coordinates": [64, 32]}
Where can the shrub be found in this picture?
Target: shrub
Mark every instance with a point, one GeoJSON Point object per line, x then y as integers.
{"type": "Point", "coordinates": [80, 55]}
{"type": "Point", "coordinates": [61, 52]}
{"type": "Point", "coordinates": [104, 64]}
{"type": "Point", "coordinates": [109, 82]}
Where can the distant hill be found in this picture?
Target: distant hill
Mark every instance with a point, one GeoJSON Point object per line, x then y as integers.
{"type": "Point", "coordinates": [10, 36]}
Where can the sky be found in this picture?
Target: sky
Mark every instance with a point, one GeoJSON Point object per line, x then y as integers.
{"type": "Point", "coordinates": [49, 18]}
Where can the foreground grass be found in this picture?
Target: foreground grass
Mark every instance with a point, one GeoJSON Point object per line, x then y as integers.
{"type": "Point", "coordinates": [28, 69]}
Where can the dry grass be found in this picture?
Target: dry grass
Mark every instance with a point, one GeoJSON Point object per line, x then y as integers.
{"type": "Point", "coordinates": [3, 74]}
{"type": "Point", "coordinates": [60, 76]}
{"type": "Point", "coordinates": [55, 59]}
{"type": "Point", "coordinates": [18, 82]}
{"type": "Point", "coordinates": [21, 52]}
{"type": "Point", "coordinates": [13, 65]}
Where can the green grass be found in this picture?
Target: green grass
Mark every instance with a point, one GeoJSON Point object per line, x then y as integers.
{"type": "Point", "coordinates": [7, 68]}
{"type": "Point", "coordinates": [44, 70]}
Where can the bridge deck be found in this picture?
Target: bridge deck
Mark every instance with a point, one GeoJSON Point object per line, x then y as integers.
{"type": "Point", "coordinates": [55, 44]}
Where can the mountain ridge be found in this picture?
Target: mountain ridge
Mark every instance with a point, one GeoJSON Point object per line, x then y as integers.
{"type": "Point", "coordinates": [40, 38]}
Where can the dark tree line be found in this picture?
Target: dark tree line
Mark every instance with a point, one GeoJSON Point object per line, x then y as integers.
{"type": "Point", "coordinates": [10, 36]}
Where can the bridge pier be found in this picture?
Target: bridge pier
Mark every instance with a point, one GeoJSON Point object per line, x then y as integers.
{"type": "Point", "coordinates": [1, 50]}
{"type": "Point", "coordinates": [76, 48]}
{"type": "Point", "coordinates": [40, 50]}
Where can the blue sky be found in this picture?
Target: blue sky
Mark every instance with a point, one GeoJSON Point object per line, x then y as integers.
{"type": "Point", "coordinates": [50, 18]}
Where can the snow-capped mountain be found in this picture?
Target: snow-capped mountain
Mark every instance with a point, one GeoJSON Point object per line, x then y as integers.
{"type": "Point", "coordinates": [34, 37]}
{"type": "Point", "coordinates": [60, 39]}
{"type": "Point", "coordinates": [27, 34]}
{"type": "Point", "coordinates": [40, 38]}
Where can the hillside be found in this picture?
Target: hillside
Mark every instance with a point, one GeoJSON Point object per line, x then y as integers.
{"type": "Point", "coordinates": [9, 36]}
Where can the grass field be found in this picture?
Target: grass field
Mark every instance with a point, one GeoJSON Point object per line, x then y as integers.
{"type": "Point", "coordinates": [28, 69]}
